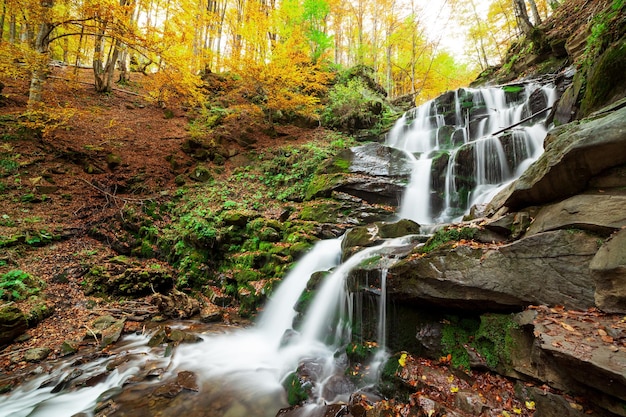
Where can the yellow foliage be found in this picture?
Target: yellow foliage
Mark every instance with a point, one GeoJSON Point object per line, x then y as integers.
{"type": "Point", "coordinates": [402, 360]}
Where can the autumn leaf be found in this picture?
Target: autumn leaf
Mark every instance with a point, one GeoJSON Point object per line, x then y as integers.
{"type": "Point", "coordinates": [530, 405]}
{"type": "Point", "coordinates": [402, 360]}
{"type": "Point", "coordinates": [454, 389]}
{"type": "Point", "coordinates": [567, 327]}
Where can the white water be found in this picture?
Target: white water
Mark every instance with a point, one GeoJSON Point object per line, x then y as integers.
{"type": "Point", "coordinates": [248, 365]}
{"type": "Point", "coordinates": [418, 133]}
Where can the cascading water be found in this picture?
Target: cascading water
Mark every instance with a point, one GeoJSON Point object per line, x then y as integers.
{"type": "Point", "coordinates": [240, 372]}
{"type": "Point", "coordinates": [462, 148]}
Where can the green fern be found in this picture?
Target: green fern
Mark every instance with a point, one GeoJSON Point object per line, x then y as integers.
{"type": "Point", "coordinates": [17, 285]}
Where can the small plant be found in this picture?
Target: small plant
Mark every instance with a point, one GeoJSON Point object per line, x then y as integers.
{"type": "Point", "coordinates": [17, 285]}
{"type": "Point", "coordinates": [444, 236]}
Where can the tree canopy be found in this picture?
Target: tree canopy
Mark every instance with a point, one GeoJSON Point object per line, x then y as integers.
{"type": "Point", "coordinates": [288, 49]}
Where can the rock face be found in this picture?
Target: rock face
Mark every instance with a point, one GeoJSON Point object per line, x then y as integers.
{"type": "Point", "coordinates": [556, 239]}
{"type": "Point", "coordinates": [608, 269]}
{"type": "Point", "coordinates": [506, 278]}
{"type": "Point", "coordinates": [574, 154]}
{"type": "Point", "coordinates": [12, 324]}
{"type": "Point", "coordinates": [375, 173]}
{"type": "Point", "coordinates": [599, 213]}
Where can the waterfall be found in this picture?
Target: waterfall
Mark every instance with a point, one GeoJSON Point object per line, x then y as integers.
{"type": "Point", "coordinates": [461, 151]}
{"type": "Point", "coordinates": [457, 161]}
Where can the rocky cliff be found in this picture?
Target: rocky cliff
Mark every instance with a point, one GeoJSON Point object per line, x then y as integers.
{"type": "Point", "coordinates": [546, 258]}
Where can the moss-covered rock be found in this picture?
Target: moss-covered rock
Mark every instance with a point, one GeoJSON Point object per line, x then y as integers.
{"type": "Point", "coordinates": [12, 323]}
{"type": "Point", "coordinates": [606, 82]}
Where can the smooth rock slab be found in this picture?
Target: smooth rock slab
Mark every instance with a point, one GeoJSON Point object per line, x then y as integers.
{"type": "Point", "coordinates": [550, 268]}
{"type": "Point", "coordinates": [575, 153]}
{"type": "Point", "coordinates": [599, 213]}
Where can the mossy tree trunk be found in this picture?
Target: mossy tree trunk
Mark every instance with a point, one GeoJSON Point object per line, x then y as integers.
{"type": "Point", "coordinates": [39, 71]}
{"type": "Point", "coordinates": [523, 21]}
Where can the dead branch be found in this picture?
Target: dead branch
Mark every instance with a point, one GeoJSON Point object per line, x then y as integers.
{"type": "Point", "coordinates": [85, 82]}
{"type": "Point", "coordinates": [116, 198]}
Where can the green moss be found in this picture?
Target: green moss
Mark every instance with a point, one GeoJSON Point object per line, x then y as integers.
{"type": "Point", "coordinates": [493, 338]}
{"type": "Point", "coordinates": [456, 333]}
{"type": "Point", "coordinates": [322, 185]}
{"type": "Point", "coordinates": [490, 336]}
{"type": "Point", "coordinates": [445, 236]}
{"type": "Point", "coordinates": [512, 89]}
{"type": "Point", "coordinates": [320, 212]}
{"type": "Point", "coordinates": [606, 78]}
{"type": "Point", "coordinates": [296, 391]}
{"type": "Point", "coordinates": [361, 352]}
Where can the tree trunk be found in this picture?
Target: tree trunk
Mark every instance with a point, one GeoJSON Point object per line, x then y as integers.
{"type": "Point", "coordinates": [535, 12]}
{"type": "Point", "coordinates": [98, 60]}
{"type": "Point", "coordinates": [12, 29]}
{"type": "Point", "coordinates": [39, 72]}
{"type": "Point", "coordinates": [521, 14]}
{"type": "Point", "coordinates": [2, 18]}
{"type": "Point", "coordinates": [80, 49]}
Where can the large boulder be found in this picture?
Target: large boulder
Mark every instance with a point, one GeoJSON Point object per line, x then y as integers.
{"type": "Point", "coordinates": [608, 269]}
{"type": "Point", "coordinates": [600, 213]}
{"type": "Point", "coordinates": [575, 153]}
{"type": "Point", "coordinates": [375, 173]}
{"type": "Point", "coordinates": [12, 323]}
{"type": "Point", "coordinates": [373, 234]}
{"type": "Point", "coordinates": [549, 268]}
{"type": "Point", "coordinates": [574, 352]}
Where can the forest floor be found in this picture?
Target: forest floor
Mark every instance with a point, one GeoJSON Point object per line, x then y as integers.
{"type": "Point", "coordinates": [61, 185]}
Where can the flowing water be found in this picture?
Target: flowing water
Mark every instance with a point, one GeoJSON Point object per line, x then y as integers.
{"type": "Point", "coordinates": [457, 161]}
{"type": "Point", "coordinates": [239, 372]}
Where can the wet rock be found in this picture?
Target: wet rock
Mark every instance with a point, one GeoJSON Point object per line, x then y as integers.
{"type": "Point", "coordinates": [187, 380]}
{"type": "Point", "coordinates": [177, 305]}
{"type": "Point", "coordinates": [69, 347]}
{"type": "Point", "coordinates": [470, 402]}
{"type": "Point", "coordinates": [12, 323]}
{"type": "Point", "coordinates": [169, 390]}
{"type": "Point", "coordinates": [548, 404]}
{"type": "Point", "coordinates": [210, 314]}
{"type": "Point", "coordinates": [112, 333]}
{"type": "Point", "coordinates": [36, 354]}
{"type": "Point", "coordinates": [574, 154]}
{"type": "Point", "coordinates": [175, 336]}
{"type": "Point", "coordinates": [67, 380]}
{"type": "Point", "coordinates": [338, 387]}
{"type": "Point", "coordinates": [38, 313]}
{"type": "Point", "coordinates": [201, 174]}
{"type": "Point", "coordinates": [608, 269]}
{"type": "Point", "coordinates": [569, 354]}
{"type": "Point", "coordinates": [428, 406]}
{"type": "Point", "coordinates": [330, 410]}
{"type": "Point", "coordinates": [133, 281]}
{"type": "Point", "coordinates": [513, 276]}
{"type": "Point", "coordinates": [375, 173]}
{"type": "Point", "coordinates": [599, 213]}
{"type": "Point", "coordinates": [373, 234]}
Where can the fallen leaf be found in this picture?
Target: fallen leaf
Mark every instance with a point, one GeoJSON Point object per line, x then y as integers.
{"type": "Point", "coordinates": [402, 360]}
{"type": "Point", "coordinates": [576, 406]}
{"type": "Point", "coordinates": [530, 405]}
{"type": "Point", "coordinates": [568, 327]}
